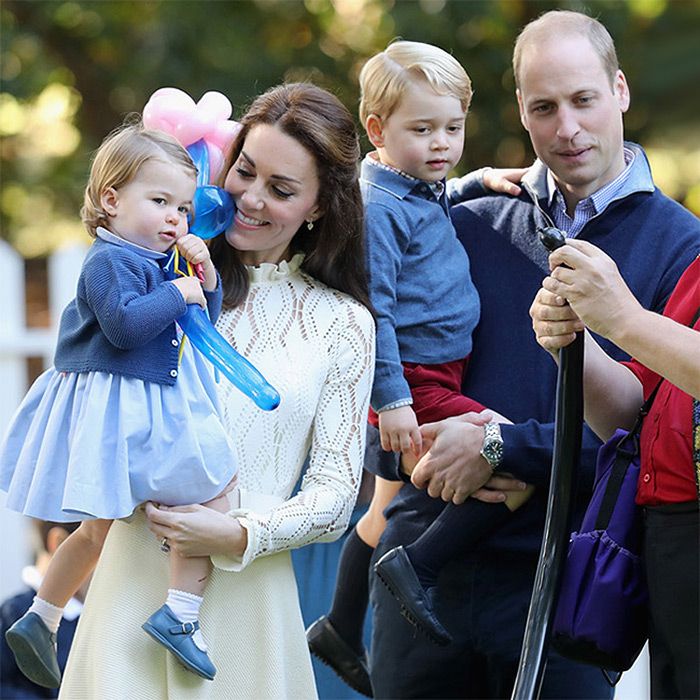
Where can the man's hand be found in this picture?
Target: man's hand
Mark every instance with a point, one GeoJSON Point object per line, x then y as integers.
{"type": "Point", "coordinates": [452, 468]}
{"type": "Point", "coordinates": [498, 487]}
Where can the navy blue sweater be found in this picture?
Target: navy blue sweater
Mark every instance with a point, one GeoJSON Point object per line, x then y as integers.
{"type": "Point", "coordinates": [122, 320]}
{"type": "Point", "coordinates": [652, 239]}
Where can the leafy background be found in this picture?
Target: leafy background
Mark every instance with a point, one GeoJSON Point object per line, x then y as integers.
{"type": "Point", "coordinates": [70, 71]}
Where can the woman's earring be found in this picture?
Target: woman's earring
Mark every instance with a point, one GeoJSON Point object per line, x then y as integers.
{"type": "Point", "coordinates": [309, 225]}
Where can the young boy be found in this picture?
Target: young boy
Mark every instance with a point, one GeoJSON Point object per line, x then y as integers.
{"type": "Point", "coordinates": [414, 102]}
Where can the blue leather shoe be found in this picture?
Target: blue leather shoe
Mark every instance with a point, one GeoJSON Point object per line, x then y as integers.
{"type": "Point", "coordinates": [397, 574]}
{"type": "Point", "coordinates": [34, 647]}
{"type": "Point", "coordinates": [176, 637]}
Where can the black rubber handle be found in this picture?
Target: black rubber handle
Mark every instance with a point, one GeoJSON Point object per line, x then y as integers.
{"type": "Point", "coordinates": [565, 458]}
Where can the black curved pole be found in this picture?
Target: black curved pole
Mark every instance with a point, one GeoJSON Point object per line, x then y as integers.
{"type": "Point", "coordinates": [565, 459]}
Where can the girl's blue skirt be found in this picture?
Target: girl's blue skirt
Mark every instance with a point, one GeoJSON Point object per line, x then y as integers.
{"type": "Point", "coordinates": [96, 445]}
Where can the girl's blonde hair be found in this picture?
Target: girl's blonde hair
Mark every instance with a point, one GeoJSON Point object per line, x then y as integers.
{"type": "Point", "coordinates": [117, 161]}
{"type": "Point", "coordinates": [384, 78]}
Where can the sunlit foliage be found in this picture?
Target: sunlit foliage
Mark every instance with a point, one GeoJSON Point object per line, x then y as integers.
{"type": "Point", "coordinates": [70, 72]}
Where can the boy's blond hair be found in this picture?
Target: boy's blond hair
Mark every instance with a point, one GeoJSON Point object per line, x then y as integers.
{"type": "Point", "coordinates": [560, 23]}
{"type": "Point", "coordinates": [384, 78]}
{"type": "Point", "coordinates": [117, 161]}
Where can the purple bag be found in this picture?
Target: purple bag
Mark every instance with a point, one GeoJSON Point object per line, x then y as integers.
{"type": "Point", "coordinates": [601, 615]}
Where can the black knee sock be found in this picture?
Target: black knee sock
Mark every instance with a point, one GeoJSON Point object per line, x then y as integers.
{"type": "Point", "coordinates": [351, 594]}
{"type": "Point", "coordinates": [455, 530]}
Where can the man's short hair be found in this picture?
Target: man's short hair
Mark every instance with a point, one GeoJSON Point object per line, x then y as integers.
{"type": "Point", "coordinates": [558, 23]}
{"type": "Point", "coordinates": [384, 78]}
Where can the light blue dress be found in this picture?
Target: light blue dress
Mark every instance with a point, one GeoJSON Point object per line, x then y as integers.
{"type": "Point", "coordinates": [96, 445]}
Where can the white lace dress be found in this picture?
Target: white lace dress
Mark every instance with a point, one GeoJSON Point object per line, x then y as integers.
{"type": "Point", "coordinates": [316, 346]}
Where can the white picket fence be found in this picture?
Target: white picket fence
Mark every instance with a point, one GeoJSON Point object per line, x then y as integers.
{"type": "Point", "coordinates": [17, 343]}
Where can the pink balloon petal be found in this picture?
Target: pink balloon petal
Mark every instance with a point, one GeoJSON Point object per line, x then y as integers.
{"type": "Point", "coordinates": [153, 120]}
{"type": "Point", "coordinates": [216, 162]}
{"type": "Point", "coordinates": [224, 134]}
{"type": "Point", "coordinates": [151, 117]}
{"type": "Point", "coordinates": [190, 128]}
{"type": "Point", "coordinates": [166, 108]}
{"type": "Point", "coordinates": [175, 112]}
{"type": "Point", "coordinates": [173, 97]}
{"type": "Point", "coordinates": [215, 105]}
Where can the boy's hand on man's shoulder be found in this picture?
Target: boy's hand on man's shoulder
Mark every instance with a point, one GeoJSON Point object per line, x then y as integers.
{"type": "Point", "coordinates": [504, 180]}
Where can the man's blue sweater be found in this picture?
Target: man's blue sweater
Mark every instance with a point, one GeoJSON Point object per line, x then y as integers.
{"type": "Point", "coordinates": [651, 238]}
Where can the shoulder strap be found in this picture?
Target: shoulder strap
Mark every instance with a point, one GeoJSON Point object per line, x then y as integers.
{"type": "Point", "coordinates": [626, 452]}
{"type": "Point", "coordinates": [696, 428]}
{"type": "Point", "coordinates": [696, 444]}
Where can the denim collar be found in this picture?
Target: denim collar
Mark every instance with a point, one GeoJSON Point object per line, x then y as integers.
{"type": "Point", "coordinates": [392, 180]}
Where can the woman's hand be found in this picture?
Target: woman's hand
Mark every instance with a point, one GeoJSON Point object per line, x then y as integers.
{"type": "Point", "coordinates": [197, 531]}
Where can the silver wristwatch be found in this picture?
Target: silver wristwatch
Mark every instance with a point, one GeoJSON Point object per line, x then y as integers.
{"type": "Point", "coordinates": [492, 447]}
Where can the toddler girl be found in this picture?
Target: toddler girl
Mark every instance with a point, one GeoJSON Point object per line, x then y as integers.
{"type": "Point", "coordinates": [128, 413]}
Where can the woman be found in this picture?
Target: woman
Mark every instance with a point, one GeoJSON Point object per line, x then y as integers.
{"type": "Point", "coordinates": [295, 297]}
{"type": "Point", "coordinates": [667, 350]}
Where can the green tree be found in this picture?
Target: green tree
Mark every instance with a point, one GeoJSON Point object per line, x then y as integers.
{"type": "Point", "coordinates": [71, 70]}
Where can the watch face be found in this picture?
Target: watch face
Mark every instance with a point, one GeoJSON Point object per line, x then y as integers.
{"type": "Point", "coordinates": [492, 449]}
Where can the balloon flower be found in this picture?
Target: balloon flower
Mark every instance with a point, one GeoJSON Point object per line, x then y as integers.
{"type": "Point", "coordinates": [205, 130]}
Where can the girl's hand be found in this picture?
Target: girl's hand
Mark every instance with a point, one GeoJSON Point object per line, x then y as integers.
{"type": "Point", "coordinates": [197, 531]}
{"type": "Point", "coordinates": [195, 250]}
{"type": "Point", "coordinates": [504, 180]}
{"type": "Point", "coordinates": [398, 431]}
{"type": "Point", "coordinates": [191, 290]}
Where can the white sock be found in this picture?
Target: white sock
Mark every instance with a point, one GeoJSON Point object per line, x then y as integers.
{"type": "Point", "coordinates": [185, 607]}
{"type": "Point", "coordinates": [50, 614]}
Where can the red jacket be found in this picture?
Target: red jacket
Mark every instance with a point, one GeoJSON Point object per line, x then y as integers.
{"type": "Point", "coordinates": [668, 473]}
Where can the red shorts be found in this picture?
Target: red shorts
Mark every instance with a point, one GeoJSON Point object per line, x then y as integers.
{"type": "Point", "coordinates": [436, 391]}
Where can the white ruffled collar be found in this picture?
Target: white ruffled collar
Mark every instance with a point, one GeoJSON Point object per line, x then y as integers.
{"type": "Point", "coordinates": [273, 272]}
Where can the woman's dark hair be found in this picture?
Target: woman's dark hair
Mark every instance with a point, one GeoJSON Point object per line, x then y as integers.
{"type": "Point", "coordinates": [334, 248]}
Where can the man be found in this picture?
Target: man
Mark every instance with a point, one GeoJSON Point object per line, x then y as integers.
{"type": "Point", "coordinates": [591, 184]}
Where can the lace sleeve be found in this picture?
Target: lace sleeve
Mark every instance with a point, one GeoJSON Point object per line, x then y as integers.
{"type": "Point", "coordinates": [321, 510]}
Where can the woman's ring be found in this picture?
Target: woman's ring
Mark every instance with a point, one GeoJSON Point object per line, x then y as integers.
{"type": "Point", "coordinates": [164, 546]}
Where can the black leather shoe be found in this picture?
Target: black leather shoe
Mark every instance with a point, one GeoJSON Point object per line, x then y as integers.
{"type": "Point", "coordinates": [397, 574]}
{"type": "Point", "coordinates": [34, 647]}
{"type": "Point", "coordinates": [334, 651]}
